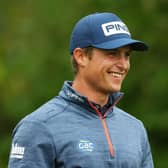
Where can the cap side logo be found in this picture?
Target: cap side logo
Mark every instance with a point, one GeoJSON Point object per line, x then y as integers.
{"type": "Point", "coordinates": [112, 28]}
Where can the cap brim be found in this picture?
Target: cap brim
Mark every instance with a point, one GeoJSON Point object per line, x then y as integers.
{"type": "Point", "coordinates": [135, 44]}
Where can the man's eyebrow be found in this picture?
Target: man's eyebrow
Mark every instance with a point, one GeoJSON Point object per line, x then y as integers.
{"type": "Point", "coordinates": [111, 50]}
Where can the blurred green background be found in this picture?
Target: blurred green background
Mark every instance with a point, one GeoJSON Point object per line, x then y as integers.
{"type": "Point", "coordinates": [34, 61]}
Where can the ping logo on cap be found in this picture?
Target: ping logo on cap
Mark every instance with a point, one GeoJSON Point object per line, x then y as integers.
{"type": "Point", "coordinates": [116, 27]}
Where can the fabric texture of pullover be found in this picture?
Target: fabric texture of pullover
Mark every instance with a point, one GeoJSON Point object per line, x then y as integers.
{"type": "Point", "coordinates": [69, 131]}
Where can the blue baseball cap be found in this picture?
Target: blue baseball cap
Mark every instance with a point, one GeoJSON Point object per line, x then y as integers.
{"type": "Point", "coordinates": [103, 31]}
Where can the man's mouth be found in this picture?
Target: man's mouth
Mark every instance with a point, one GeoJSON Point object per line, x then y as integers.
{"type": "Point", "coordinates": [116, 74]}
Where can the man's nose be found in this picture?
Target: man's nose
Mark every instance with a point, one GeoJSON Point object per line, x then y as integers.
{"type": "Point", "coordinates": [124, 61]}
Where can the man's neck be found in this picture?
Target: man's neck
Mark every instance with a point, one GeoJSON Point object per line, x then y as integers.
{"type": "Point", "coordinates": [91, 93]}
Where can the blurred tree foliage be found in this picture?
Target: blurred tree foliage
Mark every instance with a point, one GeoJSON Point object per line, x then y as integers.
{"type": "Point", "coordinates": [34, 61]}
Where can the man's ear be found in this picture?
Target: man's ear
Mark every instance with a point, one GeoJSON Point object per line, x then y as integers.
{"type": "Point", "coordinates": [80, 57]}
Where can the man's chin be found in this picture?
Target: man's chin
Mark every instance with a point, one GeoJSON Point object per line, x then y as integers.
{"type": "Point", "coordinates": [115, 89]}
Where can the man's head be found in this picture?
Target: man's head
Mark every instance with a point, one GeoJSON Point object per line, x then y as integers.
{"type": "Point", "coordinates": [100, 46]}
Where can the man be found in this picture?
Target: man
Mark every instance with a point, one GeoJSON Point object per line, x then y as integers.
{"type": "Point", "coordinates": [82, 127]}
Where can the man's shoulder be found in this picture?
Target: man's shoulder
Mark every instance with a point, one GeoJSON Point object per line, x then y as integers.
{"type": "Point", "coordinates": [42, 120]}
{"type": "Point", "coordinates": [47, 111]}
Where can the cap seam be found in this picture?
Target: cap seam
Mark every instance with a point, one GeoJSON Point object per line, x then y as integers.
{"type": "Point", "coordinates": [89, 25]}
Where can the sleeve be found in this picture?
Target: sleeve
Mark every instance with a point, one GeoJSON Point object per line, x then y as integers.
{"type": "Point", "coordinates": [32, 146]}
{"type": "Point", "coordinates": [147, 160]}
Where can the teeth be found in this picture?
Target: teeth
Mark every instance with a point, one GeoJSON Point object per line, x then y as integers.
{"type": "Point", "coordinates": [115, 74]}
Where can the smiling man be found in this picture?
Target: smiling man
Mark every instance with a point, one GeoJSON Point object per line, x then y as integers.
{"type": "Point", "coordinates": [82, 127]}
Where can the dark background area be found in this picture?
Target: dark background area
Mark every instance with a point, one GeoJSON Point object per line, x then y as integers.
{"type": "Point", "coordinates": [34, 61]}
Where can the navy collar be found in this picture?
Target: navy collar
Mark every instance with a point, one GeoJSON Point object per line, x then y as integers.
{"type": "Point", "coordinates": [105, 107]}
{"type": "Point", "coordinates": [68, 93]}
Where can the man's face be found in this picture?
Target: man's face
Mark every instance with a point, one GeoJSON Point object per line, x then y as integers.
{"type": "Point", "coordinates": [106, 69]}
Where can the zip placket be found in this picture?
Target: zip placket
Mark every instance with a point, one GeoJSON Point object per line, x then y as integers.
{"type": "Point", "coordinates": [103, 120]}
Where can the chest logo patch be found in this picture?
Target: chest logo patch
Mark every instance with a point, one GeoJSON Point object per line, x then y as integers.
{"type": "Point", "coordinates": [85, 145]}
